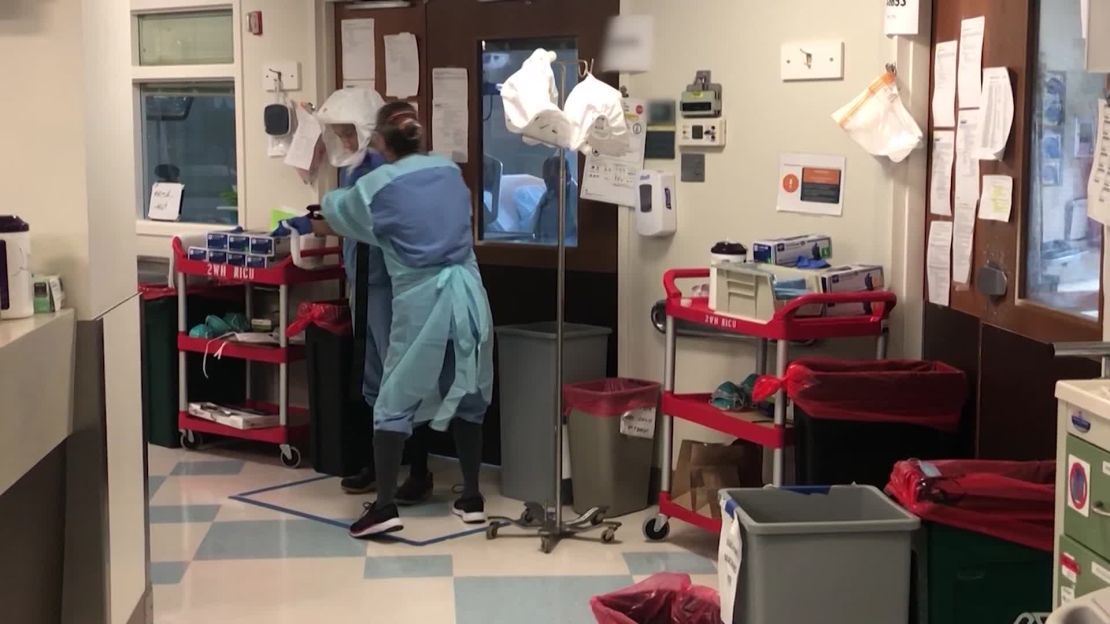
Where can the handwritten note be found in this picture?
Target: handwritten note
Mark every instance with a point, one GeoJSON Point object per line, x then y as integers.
{"type": "Point", "coordinates": [639, 423]}
{"type": "Point", "coordinates": [944, 84]}
{"type": "Point", "coordinates": [998, 198]}
{"type": "Point", "coordinates": [165, 201]}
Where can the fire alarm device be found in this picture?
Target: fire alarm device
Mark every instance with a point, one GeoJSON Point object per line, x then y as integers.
{"type": "Point", "coordinates": [254, 22]}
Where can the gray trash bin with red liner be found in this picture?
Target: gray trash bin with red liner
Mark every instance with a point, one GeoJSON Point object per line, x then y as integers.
{"type": "Point", "coordinates": [610, 465]}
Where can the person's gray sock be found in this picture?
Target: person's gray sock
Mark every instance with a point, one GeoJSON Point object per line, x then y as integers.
{"type": "Point", "coordinates": [468, 446]}
{"type": "Point", "coordinates": [389, 446]}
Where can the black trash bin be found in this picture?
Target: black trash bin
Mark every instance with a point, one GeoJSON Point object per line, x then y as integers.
{"type": "Point", "coordinates": [854, 420]}
{"type": "Point", "coordinates": [226, 377]}
{"type": "Point", "coordinates": [342, 423]}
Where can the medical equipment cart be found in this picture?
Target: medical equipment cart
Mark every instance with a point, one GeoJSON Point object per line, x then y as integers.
{"type": "Point", "coordinates": [282, 274]}
{"type": "Point", "coordinates": [785, 326]}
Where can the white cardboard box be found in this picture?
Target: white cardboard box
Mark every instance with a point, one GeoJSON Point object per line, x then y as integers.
{"type": "Point", "coordinates": [851, 278]}
{"type": "Point", "coordinates": [787, 251]}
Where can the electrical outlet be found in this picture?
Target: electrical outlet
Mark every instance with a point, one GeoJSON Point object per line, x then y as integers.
{"type": "Point", "coordinates": [290, 75]}
{"type": "Point", "coordinates": [813, 60]}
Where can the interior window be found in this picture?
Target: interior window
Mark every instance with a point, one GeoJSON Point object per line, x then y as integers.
{"type": "Point", "coordinates": [193, 38]}
{"type": "Point", "coordinates": [189, 137]}
{"type": "Point", "coordinates": [1064, 246]}
{"type": "Point", "coordinates": [520, 182]}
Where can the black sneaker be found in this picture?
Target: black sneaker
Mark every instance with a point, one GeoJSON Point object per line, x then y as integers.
{"type": "Point", "coordinates": [362, 483]}
{"type": "Point", "coordinates": [472, 510]}
{"type": "Point", "coordinates": [414, 490]}
{"type": "Point", "coordinates": [376, 521]}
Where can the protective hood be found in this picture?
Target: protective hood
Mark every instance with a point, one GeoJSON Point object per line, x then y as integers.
{"type": "Point", "coordinates": [595, 110]}
{"type": "Point", "coordinates": [357, 106]}
{"type": "Point", "coordinates": [531, 102]}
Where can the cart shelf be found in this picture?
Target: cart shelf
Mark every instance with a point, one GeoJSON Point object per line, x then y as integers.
{"type": "Point", "coordinates": [241, 351]}
{"type": "Point", "coordinates": [785, 325]}
{"type": "Point", "coordinates": [669, 508]}
{"type": "Point", "coordinates": [273, 435]}
{"type": "Point", "coordinates": [751, 426]}
{"type": "Point", "coordinates": [284, 273]}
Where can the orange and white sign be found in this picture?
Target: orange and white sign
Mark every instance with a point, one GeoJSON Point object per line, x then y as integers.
{"type": "Point", "coordinates": [812, 183]}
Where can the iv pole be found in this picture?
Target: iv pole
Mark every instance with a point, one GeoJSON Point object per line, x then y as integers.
{"type": "Point", "coordinates": [549, 522]}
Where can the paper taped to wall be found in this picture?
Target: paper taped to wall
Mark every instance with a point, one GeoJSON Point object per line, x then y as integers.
{"type": "Point", "coordinates": [938, 263]}
{"type": "Point", "coordinates": [997, 201]}
{"type": "Point", "coordinates": [996, 117]}
{"type": "Point", "coordinates": [970, 75]}
{"type": "Point", "coordinates": [944, 84]}
{"type": "Point", "coordinates": [944, 156]}
{"type": "Point", "coordinates": [451, 113]}
{"type": "Point", "coordinates": [402, 65]}
{"type": "Point", "coordinates": [1098, 187]}
{"type": "Point", "coordinates": [357, 38]}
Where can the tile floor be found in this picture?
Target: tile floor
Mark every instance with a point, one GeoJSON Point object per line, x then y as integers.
{"type": "Point", "coordinates": [236, 537]}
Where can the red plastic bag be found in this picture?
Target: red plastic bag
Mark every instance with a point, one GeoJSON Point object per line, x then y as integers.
{"type": "Point", "coordinates": [610, 397]}
{"type": "Point", "coordinates": [1013, 501]}
{"type": "Point", "coordinates": [332, 316]}
{"type": "Point", "coordinates": [929, 394]}
{"type": "Point", "coordinates": [664, 598]}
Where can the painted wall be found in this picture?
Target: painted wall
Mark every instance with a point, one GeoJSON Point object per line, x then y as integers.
{"type": "Point", "coordinates": [740, 41]}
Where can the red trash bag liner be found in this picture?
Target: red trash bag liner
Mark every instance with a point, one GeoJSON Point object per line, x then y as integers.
{"type": "Point", "coordinates": [664, 598]}
{"type": "Point", "coordinates": [913, 392]}
{"type": "Point", "coordinates": [1013, 501]}
{"type": "Point", "coordinates": [610, 397]}
{"type": "Point", "coordinates": [334, 317]}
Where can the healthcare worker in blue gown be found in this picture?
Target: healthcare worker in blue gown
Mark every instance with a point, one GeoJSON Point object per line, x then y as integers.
{"type": "Point", "coordinates": [439, 364]}
{"type": "Point", "coordinates": [348, 118]}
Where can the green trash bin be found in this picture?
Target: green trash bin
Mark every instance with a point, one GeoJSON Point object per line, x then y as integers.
{"type": "Point", "coordinates": [226, 377]}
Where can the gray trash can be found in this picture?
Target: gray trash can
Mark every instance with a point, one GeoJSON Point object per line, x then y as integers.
{"type": "Point", "coordinates": [526, 378]}
{"type": "Point", "coordinates": [611, 469]}
{"type": "Point", "coordinates": [837, 555]}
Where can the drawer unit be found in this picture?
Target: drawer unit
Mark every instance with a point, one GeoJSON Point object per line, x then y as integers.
{"type": "Point", "coordinates": [1081, 571]}
{"type": "Point", "coordinates": [1087, 495]}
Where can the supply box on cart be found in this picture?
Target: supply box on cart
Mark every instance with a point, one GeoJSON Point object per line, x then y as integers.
{"type": "Point", "coordinates": [851, 278]}
{"type": "Point", "coordinates": [788, 251]}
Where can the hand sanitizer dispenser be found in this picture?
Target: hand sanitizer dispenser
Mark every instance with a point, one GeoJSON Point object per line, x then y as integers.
{"type": "Point", "coordinates": [656, 204]}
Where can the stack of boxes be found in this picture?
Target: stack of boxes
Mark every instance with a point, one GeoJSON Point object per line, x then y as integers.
{"type": "Point", "coordinates": [253, 250]}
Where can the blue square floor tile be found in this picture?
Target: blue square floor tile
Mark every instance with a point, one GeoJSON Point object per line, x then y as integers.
{"type": "Point", "coordinates": [167, 572]}
{"type": "Point", "coordinates": [207, 468]}
{"type": "Point", "coordinates": [153, 483]}
{"type": "Point", "coordinates": [645, 563]}
{"type": "Point", "coordinates": [167, 514]}
{"type": "Point", "coordinates": [417, 566]}
{"type": "Point", "coordinates": [536, 600]}
{"type": "Point", "coordinates": [277, 539]}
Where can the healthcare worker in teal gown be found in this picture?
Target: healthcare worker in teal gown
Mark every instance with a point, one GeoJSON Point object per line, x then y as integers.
{"type": "Point", "coordinates": [439, 364]}
{"type": "Point", "coordinates": [347, 118]}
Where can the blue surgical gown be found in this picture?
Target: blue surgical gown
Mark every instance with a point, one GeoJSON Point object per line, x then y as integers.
{"type": "Point", "coordinates": [379, 304]}
{"type": "Point", "coordinates": [439, 364]}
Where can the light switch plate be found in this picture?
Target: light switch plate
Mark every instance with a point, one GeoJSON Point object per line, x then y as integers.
{"type": "Point", "coordinates": [813, 60]}
{"type": "Point", "coordinates": [290, 75]}
{"type": "Point", "coordinates": [693, 167]}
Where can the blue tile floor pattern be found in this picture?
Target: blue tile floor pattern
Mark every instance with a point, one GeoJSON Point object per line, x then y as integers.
{"type": "Point", "coordinates": [216, 558]}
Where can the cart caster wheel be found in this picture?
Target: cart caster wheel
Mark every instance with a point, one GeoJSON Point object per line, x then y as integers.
{"type": "Point", "coordinates": [547, 544]}
{"type": "Point", "coordinates": [656, 529]}
{"type": "Point", "coordinates": [190, 440]}
{"type": "Point", "coordinates": [526, 517]}
{"type": "Point", "coordinates": [609, 535]}
{"type": "Point", "coordinates": [491, 532]}
{"type": "Point", "coordinates": [598, 517]}
{"type": "Point", "coordinates": [291, 458]}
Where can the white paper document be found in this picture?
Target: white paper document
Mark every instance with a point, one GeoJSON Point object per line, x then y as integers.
{"type": "Point", "coordinates": [971, 61]}
{"type": "Point", "coordinates": [358, 49]}
{"type": "Point", "coordinates": [944, 157]}
{"type": "Point", "coordinates": [812, 184]}
{"type": "Point", "coordinates": [996, 117]}
{"type": "Point", "coordinates": [963, 241]}
{"type": "Point", "coordinates": [638, 423]}
{"type": "Point", "coordinates": [938, 263]}
{"type": "Point", "coordinates": [998, 198]}
{"type": "Point", "coordinates": [165, 201]}
{"type": "Point", "coordinates": [451, 113]}
{"type": "Point", "coordinates": [613, 179]}
{"type": "Point", "coordinates": [1098, 187]}
{"type": "Point", "coordinates": [967, 165]}
{"type": "Point", "coordinates": [402, 65]}
{"type": "Point", "coordinates": [944, 84]}
{"type": "Point", "coordinates": [730, 555]}
{"type": "Point", "coordinates": [902, 18]}
{"type": "Point", "coordinates": [302, 151]}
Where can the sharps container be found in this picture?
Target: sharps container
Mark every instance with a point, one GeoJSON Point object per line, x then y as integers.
{"type": "Point", "coordinates": [526, 382]}
{"type": "Point", "coordinates": [838, 555]}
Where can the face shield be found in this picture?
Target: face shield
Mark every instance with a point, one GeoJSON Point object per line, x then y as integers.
{"type": "Point", "coordinates": [356, 106]}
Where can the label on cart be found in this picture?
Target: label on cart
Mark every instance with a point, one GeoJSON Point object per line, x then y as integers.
{"type": "Point", "coordinates": [1079, 486]}
{"type": "Point", "coordinates": [639, 423]}
{"type": "Point", "coordinates": [730, 552]}
{"type": "Point", "coordinates": [1067, 595]}
{"type": "Point", "coordinates": [226, 271]}
{"type": "Point", "coordinates": [1101, 572]}
{"type": "Point", "coordinates": [1069, 567]}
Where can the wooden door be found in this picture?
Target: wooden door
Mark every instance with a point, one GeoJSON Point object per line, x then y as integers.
{"type": "Point", "coordinates": [392, 21]}
{"type": "Point", "coordinates": [1001, 341]}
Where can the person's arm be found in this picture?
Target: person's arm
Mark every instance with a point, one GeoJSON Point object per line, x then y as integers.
{"type": "Point", "coordinates": [347, 214]}
{"type": "Point", "coordinates": [321, 227]}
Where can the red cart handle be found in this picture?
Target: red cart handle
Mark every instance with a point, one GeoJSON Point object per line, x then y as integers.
{"type": "Point", "coordinates": [886, 300]}
{"type": "Point", "coordinates": [669, 277]}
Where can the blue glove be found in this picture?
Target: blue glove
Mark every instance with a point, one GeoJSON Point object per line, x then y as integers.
{"type": "Point", "coordinates": [302, 225]}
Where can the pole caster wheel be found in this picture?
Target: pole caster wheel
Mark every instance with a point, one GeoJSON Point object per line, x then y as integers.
{"type": "Point", "coordinates": [191, 440]}
{"type": "Point", "coordinates": [290, 456]}
{"type": "Point", "coordinates": [491, 532]}
{"type": "Point", "coordinates": [657, 529]}
{"type": "Point", "coordinates": [547, 544]}
{"type": "Point", "coordinates": [608, 536]}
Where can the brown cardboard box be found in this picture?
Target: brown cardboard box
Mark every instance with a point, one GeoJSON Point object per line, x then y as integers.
{"type": "Point", "coordinates": [703, 469]}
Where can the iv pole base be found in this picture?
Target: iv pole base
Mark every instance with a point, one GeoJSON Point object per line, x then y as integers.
{"type": "Point", "coordinates": [536, 517]}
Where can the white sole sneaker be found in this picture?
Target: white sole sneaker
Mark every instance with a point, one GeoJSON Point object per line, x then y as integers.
{"type": "Point", "coordinates": [470, 517]}
{"type": "Point", "coordinates": [389, 526]}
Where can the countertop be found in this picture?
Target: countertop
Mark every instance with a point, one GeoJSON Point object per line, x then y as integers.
{"type": "Point", "coordinates": [36, 390]}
